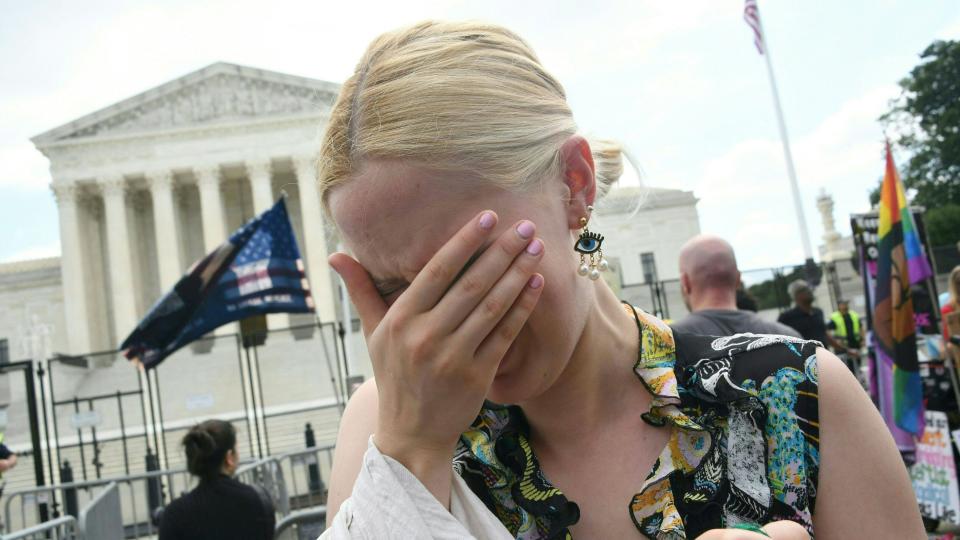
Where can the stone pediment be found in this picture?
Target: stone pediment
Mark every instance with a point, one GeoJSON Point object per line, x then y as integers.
{"type": "Point", "coordinates": [218, 93]}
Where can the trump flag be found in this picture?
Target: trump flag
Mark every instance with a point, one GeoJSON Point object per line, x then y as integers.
{"type": "Point", "coordinates": [257, 270]}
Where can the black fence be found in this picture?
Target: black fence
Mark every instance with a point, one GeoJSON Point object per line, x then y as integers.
{"type": "Point", "coordinates": [945, 258]}
{"type": "Point", "coordinates": [96, 416]}
{"type": "Point", "coordinates": [765, 290]}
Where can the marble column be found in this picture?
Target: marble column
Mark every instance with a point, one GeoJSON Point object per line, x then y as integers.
{"type": "Point", "coordinates": [165, 228]}
{"type": "Point", "coordinates": [213, 220]}
{"type": "Point", "coordinates": [72, 270]}
{"type": "Point", "coordinates": [123, 297]}
{"type": "Point", "coordinates": [259, 174]}
{"type": "Point", "coordinates": [211, 206]}
{"type": "Point", "coordinates": [315, 238]}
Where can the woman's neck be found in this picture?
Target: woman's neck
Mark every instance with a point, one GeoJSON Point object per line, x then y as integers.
{"type": "Point", "coordinates": [597, 386]}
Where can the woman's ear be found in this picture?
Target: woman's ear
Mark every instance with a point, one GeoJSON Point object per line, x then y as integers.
{"type": "Point", "coordinates": [231, 460]}
{"type": "Point", "coordinates": [578, 178]}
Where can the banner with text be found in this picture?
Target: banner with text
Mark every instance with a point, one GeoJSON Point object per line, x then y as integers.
{"type": "Point", "coordinates": [934, 474]}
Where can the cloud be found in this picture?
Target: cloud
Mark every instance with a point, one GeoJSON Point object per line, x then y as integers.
{"type": "Point", "coordinates": [34, 252]}
{"type": "Point", "coordinates": [745, 195]}
{"type": "Point", "coordinates": [950, 31]}
{"type": "Point", "coordinates": [601, 47]}
{"type": "Point", "coordinates": [23, 167]}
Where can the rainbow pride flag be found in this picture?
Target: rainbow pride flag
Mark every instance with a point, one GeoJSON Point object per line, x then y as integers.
{"type": "Point", "coordinates": [901, 263]}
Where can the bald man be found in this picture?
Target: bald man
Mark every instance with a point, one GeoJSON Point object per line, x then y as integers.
{"type": "Point", "coordinates": [708, 281]}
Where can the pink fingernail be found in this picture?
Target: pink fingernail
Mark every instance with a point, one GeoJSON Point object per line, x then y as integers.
{"type": "Point", "coordinates": [535, 247]}
{"type": "Point", "coordinates": [536, 281]}
{"type": "Point", "coordinates": [487, 220]}
{"type": "Point", "coordinates": [525, 229]}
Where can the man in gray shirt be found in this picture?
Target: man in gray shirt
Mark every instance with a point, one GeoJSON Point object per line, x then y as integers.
{"type": "Point", "coordinates": [708, 281]}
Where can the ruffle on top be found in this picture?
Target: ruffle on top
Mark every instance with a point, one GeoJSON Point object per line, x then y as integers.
{"type": "Point", "coordinates": [738, 452]}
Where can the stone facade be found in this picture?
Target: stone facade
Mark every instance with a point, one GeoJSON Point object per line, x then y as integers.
{"type": "Point", "coordinates": [150, 184]}
{"type": "Point", "coordinates": [636, 220]}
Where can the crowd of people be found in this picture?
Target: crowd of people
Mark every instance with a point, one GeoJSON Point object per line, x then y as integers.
{"type": "Point", "coordinates": [718, 305]}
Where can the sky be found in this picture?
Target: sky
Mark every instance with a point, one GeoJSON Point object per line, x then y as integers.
{"type": "Point", "coordinates": [680, 84]}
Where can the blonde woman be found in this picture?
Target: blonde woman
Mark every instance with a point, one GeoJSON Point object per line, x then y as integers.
{"type": "Point", "coordinates": [453, 168]}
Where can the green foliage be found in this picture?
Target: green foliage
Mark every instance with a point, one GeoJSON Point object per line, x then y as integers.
{"type": "Point", "coordinates": [925, 121]}
{"type": "Point", "coordinates": [772, 293]}
{"type": "Point", "coordinates": [875, 193]}
{"type": "Point", "coordinates": [943, 225]}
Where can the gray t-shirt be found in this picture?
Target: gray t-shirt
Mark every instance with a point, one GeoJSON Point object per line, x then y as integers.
{"type": "Point", "coordinates": [726, 322]}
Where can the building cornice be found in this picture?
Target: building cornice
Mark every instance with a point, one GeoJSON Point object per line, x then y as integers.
{"type": "Point", "coordinates": [129, 105]}
{"type": "Point", "coordinates": [148, 136]}
{"type": "Point", "coordinates": [30, 273]}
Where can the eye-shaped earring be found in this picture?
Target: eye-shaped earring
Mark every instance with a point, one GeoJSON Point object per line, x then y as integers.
{"type": "Point", "coordinates": [591, 255]}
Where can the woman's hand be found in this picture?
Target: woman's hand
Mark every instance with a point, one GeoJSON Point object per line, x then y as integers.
{"type": "Point", "coordinates": [436, 349]}
{"type": "Point", "coordinates": [778, 530]}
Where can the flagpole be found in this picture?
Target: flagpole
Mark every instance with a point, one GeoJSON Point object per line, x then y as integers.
{"type": "Point", "coordinates": [794, 187]}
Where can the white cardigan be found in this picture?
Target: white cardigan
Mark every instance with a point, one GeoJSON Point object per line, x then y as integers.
{"type": "Point", "coordinates": [388, 502]}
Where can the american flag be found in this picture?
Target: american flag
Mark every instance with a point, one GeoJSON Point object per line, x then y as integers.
{"type": "Point", "coordinates": [751, 14]}
{"type": "Point", "coordinates": [258, 270]}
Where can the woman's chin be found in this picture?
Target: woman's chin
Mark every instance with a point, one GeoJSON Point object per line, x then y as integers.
{"type": "Point", "coordinates": [504, 391]}
{"type": "Point", "coordinates": [511, 384]}
{"type": "Point", "coordinates": [506, 382]}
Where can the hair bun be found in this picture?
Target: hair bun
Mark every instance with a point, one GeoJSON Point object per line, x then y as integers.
{"type": "Point", "coordinates": [201, 441]}
{"type": "Point", "coordinates": [608, 160]}
{"type": "Point", "coordinates": [206, 445]}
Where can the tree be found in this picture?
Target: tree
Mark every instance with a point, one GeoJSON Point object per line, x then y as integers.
{"type": "Point", "coordinates": [943, 224]}
{"type": "Point", "coordinates": [772, 293]}
{"type": "Point", "coordinates": [925, 122]}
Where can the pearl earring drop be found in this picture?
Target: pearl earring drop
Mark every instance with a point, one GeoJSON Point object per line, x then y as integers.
{"type": "Point", "coordinates": [591, 256]}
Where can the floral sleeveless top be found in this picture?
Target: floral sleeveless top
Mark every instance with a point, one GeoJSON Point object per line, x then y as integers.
{"type": "Point", "coordinates": [743, 447]}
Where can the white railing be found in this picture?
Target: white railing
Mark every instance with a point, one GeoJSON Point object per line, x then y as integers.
{"type": "Point", "coordinates": [266, 474]}
{"type": "Point", "coordinates": [129, 505]}
{"type": "Point", "coordinates": [301, 519]}
{"type": "Point", "coordinates": [140, 496]}
{"type": "Point", "coordinates": [61, 528]}
{"type": "Point", "coordinates": [102, 519]}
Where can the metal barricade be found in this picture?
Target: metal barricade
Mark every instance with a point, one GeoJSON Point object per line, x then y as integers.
{"type": "Point", "coordinates": [308, 523]}
{"type": "Point", "coordinates": [266, 474]}
{"type": "Point", "coordinates": [103, 517]}
{"type": "Point", "coordinates": [127, 506]}
{"type": "Point", "coordinates": [61, 528]}
{"type": "Point", "coordinates": [304, 472]}
{"type": "Point", "coordinates": [137, 493]}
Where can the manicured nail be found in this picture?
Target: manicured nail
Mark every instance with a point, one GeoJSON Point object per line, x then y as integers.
{"type": "Point", "coordinates": [536, 281]}
{"type": "Point", "coordinates": [487, 220]}
{"type": "Point", "coordinates": [535, 247]}
{"type": "Point", "coordinates": [525, 229]}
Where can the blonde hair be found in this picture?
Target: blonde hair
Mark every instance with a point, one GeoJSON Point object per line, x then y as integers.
{"type": "Point", "coordinates": [459, 97]}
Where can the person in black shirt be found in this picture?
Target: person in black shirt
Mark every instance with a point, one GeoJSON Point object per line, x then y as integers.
{"type": "Point", "coordinates": [745, 300]}
{"type": "Point", "coordinates": [804, 318]}
{"type": "Point", "coordinates": [219, 507]}
{"type": "Point", "coordinates": [709, 284]}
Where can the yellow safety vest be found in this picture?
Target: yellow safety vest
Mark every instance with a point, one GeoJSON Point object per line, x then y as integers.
{"type": "Point", "coordinates": [841, 327]}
